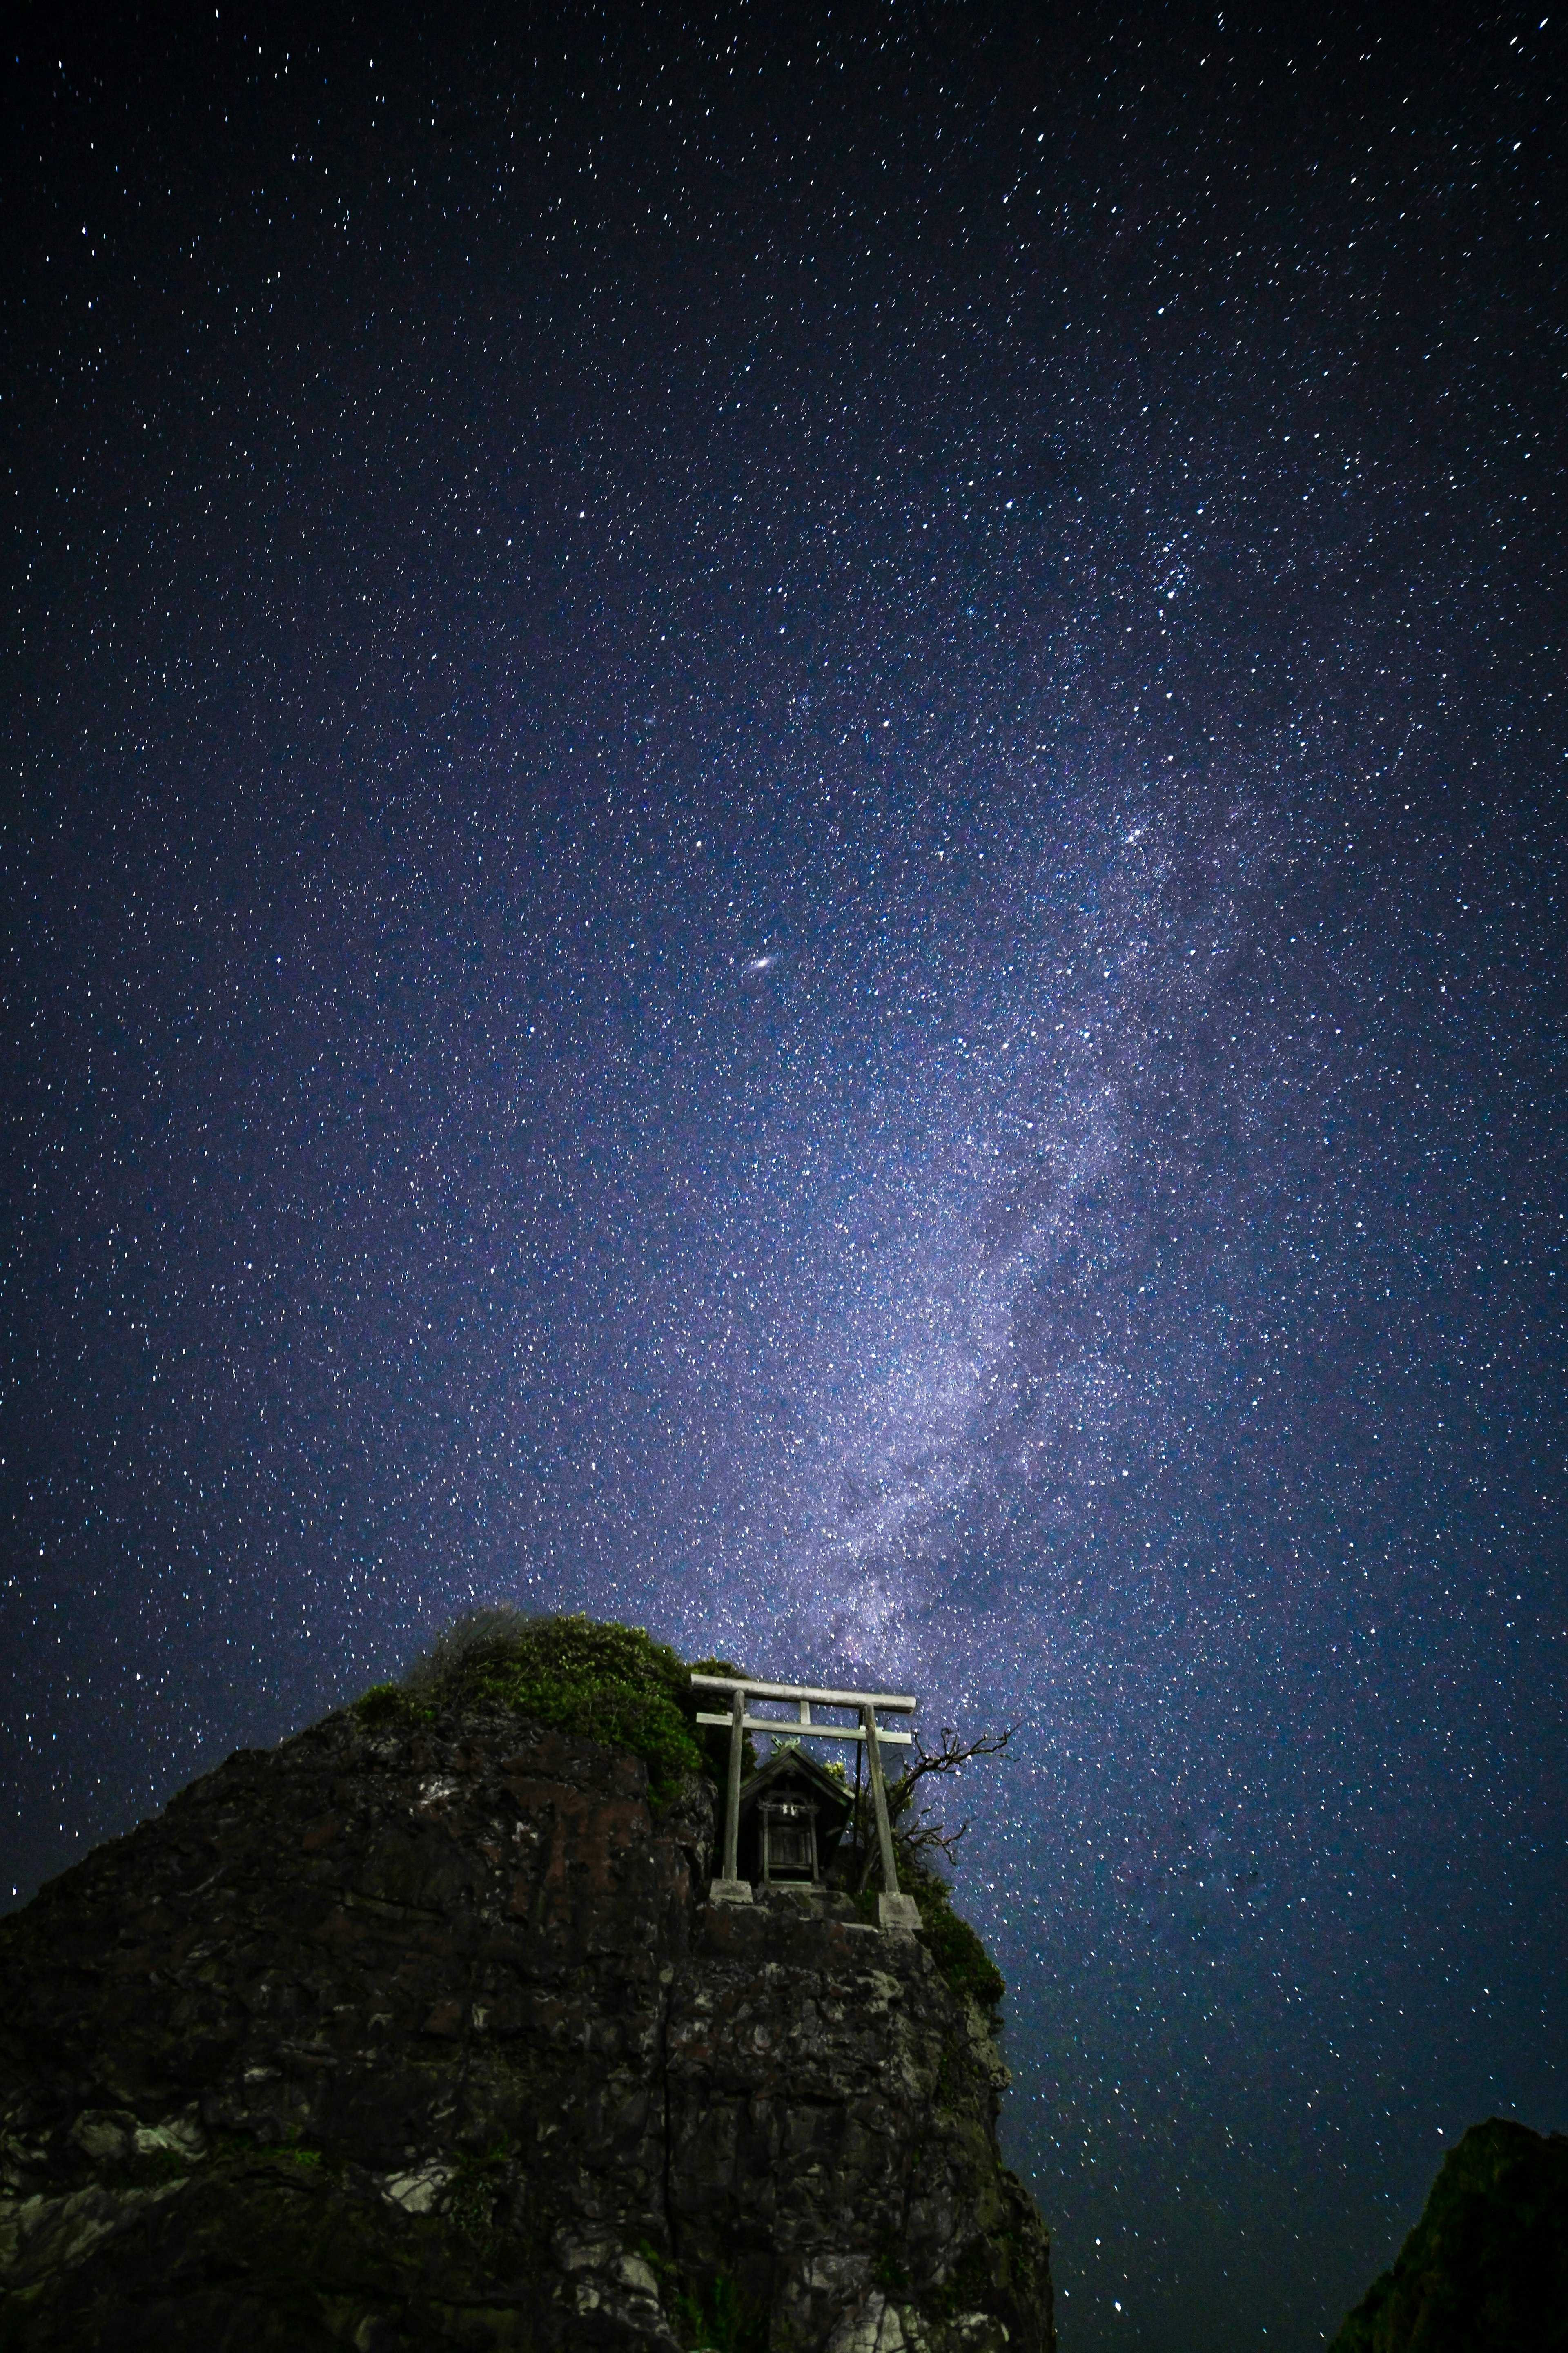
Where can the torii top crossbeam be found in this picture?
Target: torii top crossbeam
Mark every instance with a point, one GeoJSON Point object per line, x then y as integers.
{"type": "Point", "coordinates": [731, 1888]}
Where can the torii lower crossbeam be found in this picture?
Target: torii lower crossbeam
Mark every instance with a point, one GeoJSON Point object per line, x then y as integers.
{"type": "Point", "coordinates": [804, 1695]}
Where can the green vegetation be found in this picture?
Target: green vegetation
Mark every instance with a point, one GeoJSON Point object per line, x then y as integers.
{"type": "Point", "coordinates": [711, 2316]}
{"type": "Point", "coordinates": [297, 2149]}
{"type": "Point", "coordinates": [481, 2177]}
{"type": "Point", "coordinates": [610, 1683]}
{"type": "Point", "coordinates": [720, 2318]}
{"type": "Point", "coordinates": [387, 1707]}
{"type": "Point", "coordinates": [920, 1841]}
{"type": "Point", "coordinates": [963, 1962]}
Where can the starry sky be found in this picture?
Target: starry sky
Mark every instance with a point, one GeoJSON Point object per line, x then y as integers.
{"type": "Point", "coordinates": [785, 858]}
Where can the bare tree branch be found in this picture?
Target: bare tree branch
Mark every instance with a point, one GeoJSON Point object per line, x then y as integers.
{"type": "Point", "coordinates": [917, 1834]}
{"type": "Point", "coordinates": [947, 1758]}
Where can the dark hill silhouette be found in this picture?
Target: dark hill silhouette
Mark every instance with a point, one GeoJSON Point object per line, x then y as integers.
{"type": "Point", "coordinates": [1485, 2268]}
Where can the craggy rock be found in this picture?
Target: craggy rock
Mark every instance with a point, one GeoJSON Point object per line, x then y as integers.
{"type": "Point", "coordinates": [406, 2039]}
{"type": "Point", "coordinates": [1487, 2265]}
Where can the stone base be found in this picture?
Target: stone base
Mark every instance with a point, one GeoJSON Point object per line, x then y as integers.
{"type": "Point", "coordinates": [730, 1891]}
{"type": "Point", "coordinates": [803, 1899]}
{"type": "Point", "coordinates": [900, 1913]}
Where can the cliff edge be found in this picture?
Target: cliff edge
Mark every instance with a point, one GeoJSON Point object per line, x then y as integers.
{"type": "Point", "coordinates": [419, 2034]}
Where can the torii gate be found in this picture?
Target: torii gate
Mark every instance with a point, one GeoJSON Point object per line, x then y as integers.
{"type": "Point", "coordinates": [894, 1910]}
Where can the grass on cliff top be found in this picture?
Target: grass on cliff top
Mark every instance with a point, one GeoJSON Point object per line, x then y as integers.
{"type": "Point", "coordinates": [609, 1683]}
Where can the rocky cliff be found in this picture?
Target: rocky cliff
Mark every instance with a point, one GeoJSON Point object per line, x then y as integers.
{"type": "Point", "coordinates": [1485, 2268]}
{"type": "Point", "coordinates": [423, 2034]}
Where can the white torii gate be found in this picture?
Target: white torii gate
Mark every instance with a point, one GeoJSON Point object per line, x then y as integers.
{"type": "Point", "coordinates": [894, 1910]}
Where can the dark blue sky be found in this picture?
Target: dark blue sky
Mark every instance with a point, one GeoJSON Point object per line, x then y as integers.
{"type": "Point", "coordinates": [788, 861]}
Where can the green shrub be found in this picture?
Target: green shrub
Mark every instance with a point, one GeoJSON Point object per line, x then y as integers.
{"type": "Point", "coordinates": [610, 1683]}
{"type": "Point", "coordinates": [387, 1707]}
{"type": "Point", "coordinates": [963, 1962]}
{"type": "Point", "coordinates": [296, 2151]}
{"type": "Point", "coordinates": [710, 2316]}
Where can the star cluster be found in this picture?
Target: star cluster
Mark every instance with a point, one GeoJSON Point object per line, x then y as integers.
{"type": "Point", "coordinates": [788, 863]}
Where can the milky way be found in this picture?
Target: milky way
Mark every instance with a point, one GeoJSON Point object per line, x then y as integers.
{"type": "Point", "coordinates": [789, 863]}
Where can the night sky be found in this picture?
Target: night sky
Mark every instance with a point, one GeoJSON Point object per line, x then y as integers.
{"type": "Point", "coordinates": [785, 858]}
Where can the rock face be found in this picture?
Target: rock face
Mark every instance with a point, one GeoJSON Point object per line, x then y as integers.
{"type": "Point", "coordinates": [401, 2039]}
{"type": "Point", "coordinates": [1485, 2268]}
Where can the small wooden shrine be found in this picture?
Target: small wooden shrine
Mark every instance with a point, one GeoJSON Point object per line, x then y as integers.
{"type": "Point", "coordinates": [788, 1811]}
{"type": "Point", "coordinates": [793, 1814]}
